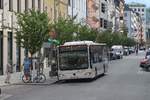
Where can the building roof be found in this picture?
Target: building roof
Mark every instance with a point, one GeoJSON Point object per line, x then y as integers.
{"type": "Point", "coordinates": [135, 4]}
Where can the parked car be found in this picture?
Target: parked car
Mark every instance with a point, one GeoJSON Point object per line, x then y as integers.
{"type": "Point", "coordinates": [112, 55]}
{"type": "Point", "coordinates": [118, 50]}
{"type": "Point", "coordinates": [126, 51]}
{"type": "Point", "coordinates": [131, 50]}
{"type": "Point", "coordinates": [145, 63]}
{"type": "Point", "coordinates": [142, 48]}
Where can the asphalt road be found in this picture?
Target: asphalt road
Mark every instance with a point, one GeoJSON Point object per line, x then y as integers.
{"type": "Point", "coordinates": [124, 81]}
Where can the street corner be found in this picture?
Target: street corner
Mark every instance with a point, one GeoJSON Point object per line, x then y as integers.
{"type": "Point", "coordinates": [4, 96]}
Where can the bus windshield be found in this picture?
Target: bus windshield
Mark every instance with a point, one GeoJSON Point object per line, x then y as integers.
{"type": "Point", "coordinates": [73, 60]}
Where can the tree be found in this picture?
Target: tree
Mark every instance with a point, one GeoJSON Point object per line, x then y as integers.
{"type": "Point", "coordinates": [105, 37]}
{"type": "Point", "coordinates": [85, 33]}
{"type": "Point", "coordinates": [33, 30]}
{"type": "Point", "coordinates": [64, 29]}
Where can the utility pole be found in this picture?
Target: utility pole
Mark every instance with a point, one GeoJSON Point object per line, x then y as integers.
{"type": "Point", "coordinates": [72, 8]}
{"type": "Point", "coordinates": [54, 10]}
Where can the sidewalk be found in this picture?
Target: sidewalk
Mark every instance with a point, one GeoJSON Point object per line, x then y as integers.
{"type": "Point", "coordinates": [16, 79]}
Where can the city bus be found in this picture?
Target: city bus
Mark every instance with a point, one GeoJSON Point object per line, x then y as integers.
{"type": "Point", "coordinates": [81, 60]}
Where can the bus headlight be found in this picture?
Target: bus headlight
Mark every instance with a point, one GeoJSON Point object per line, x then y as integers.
{"type": "Point", "coordinates": [61, 75]}
{"type": "Point", "coordinates": [88, 73]}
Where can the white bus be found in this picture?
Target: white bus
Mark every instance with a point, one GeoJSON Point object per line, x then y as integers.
{"type": "Point", "coordinates": [81, 59]}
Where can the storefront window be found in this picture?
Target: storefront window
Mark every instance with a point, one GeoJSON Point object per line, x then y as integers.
{"type": "Point", "coordinates": [1, 53]}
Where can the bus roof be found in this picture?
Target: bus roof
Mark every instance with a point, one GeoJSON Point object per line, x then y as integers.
{"type": "Point", "coordinates": [82, 43]}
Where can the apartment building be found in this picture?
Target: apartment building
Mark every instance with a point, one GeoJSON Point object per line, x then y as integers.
{"type": "Point", "coordinates": [78, 8]}
{"type": "Point", "coordinates": [133, 23]}
{"type": "Point", "coordinates": [141, 10]}
{"type": "Point", "coordinates": [8, 48]}
{"type": "Point", "coordinates": [148, 27]}
{"type": "Point", "coordinates": [56, 8]}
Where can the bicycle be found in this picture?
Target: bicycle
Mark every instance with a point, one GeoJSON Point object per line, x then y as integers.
{"type": "Point", "coordinates": [39, 78]}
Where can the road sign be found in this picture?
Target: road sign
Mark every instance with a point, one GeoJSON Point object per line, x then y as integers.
{"type": "Point", "coordinates": [53, 41]}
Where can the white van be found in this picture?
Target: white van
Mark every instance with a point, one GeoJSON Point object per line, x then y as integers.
{"type": "Point", "coordinates": [118, 50]}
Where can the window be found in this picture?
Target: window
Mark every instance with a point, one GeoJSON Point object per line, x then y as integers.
{"type": "Point", "coordinates": [103, 8]}
{"type": "Point", "coordinates": [18, 6]}
{"type": "Point", "coordinates": [121, 18]}
{"type": "Point", "coordinates": [101, 22]}
{"type": "Point", "coordinates": [69, 2]}
{"type": "Point", "coordinates": [10, 47]}
{"type": "Point", "coordinates": [125, 14]}
{"type": "Point", "coordinates": [1, 53]}
{"type": "Point", "coordinates": [142, 10]}
{"type": "Point", "coordinates": [135, 9]}
{"type": "Point", "coordinates": [73, 2]}
{"type": "Point", "coordinates": [18, 59]}
{"type": "Point", "coordinates": [1, 4]}
{"type": "Point", "coordinates": [139, 9]}
{"type": "Point", "coordinates": [33, 4]}
{"type": "Point", "coordinates": [10, 5]}
{"type": "Point", "coordinates": [105, 23]}
{"type": "Point", "coordinates": [26, 5]}
{"type": "Point", "coordinates": [39, 4]}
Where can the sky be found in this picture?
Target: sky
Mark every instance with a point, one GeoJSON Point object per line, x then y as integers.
{"type": "Point", "coordinates": [147, 2]}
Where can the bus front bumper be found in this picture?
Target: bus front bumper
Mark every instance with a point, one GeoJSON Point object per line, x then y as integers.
{"type": "Point", "coordinates": [76, 74]}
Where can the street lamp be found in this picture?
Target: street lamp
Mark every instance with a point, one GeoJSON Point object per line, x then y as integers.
{"type": "Point", "coordinates": [74, 36]}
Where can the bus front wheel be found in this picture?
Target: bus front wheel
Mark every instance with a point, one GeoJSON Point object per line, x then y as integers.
{"type": "Point", "coordinates": [104, 69]}
{"type": "Point", "coordinates": [95, 72]}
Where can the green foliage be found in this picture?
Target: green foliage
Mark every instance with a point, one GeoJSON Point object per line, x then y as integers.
{"type": "Point", "coordinates": [105, 37]}
{"type": "Point", "coordinates": [64, 29]}
{"type": "Point", "coordinates": [85, 33]}
{"type": "Point", "coordinates": [114, 39]}
{"type": "Point", "coordinates": [33, 30]}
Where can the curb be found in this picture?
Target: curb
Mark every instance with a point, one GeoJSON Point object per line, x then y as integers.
{"type": "Point", "coordinates": [4, 96]}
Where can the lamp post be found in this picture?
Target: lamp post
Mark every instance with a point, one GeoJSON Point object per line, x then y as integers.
{"type": "Point", "coordinates": [74, 36]}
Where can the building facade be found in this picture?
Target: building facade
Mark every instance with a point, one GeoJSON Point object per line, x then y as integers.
{"type": "Point", "coordinates": [93, 7]}
{"type": "Point", "coordinates": [77, 8]}
{"type": "Point", "coordinates": [118, 19]}
{"type": "Point", "coordinates": [9, 52]}
{"type": "Point", "coordinates": [104, 14]}
{"type": "Point", "coordinates": [148, 27]}
{"type": "Point", "coordinates": [141, 10]}
{"type": "Point", "coordinates": [56, 8]}
{"type": "Point", "coordinates": [133, 23]}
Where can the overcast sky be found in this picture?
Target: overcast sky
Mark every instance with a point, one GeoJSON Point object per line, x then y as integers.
{"type": "Point", "coordinates": [147, 2]}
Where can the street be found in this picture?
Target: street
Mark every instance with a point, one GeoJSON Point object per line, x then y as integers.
{"type": "Point", "coordinates": [124, 81]}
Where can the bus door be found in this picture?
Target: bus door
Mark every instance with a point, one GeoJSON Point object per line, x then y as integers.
{"type": "Point", "coordinates": [96, 57]}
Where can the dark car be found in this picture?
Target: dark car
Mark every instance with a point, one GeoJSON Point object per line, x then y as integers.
{"type": "Point", "coordinates": [145, 63]}
{"type": "Point", "coordinates": [131, 50]}
{"type": "Point", "coordinates": [112, 56]}
{"type": "Point", "coordinates": [126, 51]}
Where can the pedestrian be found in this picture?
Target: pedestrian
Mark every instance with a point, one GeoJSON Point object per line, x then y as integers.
{"type": "Point", "coordinates": [136, 51]}
{"type": "Point", "coordinates": [8, 73]}
{"type": "Point", "coordinates": [27, 67]}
